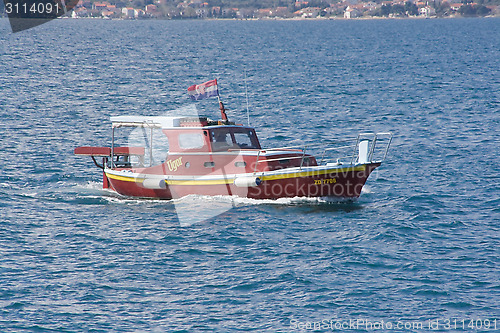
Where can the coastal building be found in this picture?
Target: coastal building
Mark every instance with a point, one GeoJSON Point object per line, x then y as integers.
{"type": "Point", "coordinates": [456, 6]}
{"type": "Point", "coordinates": [80, 12]}
{"type": "Point", "coordinates": [264, 12]}
{"type": "Point", "coordinates": [351, 13]}
{"type": "Point", "coordinates": [215, 11]}
{"type": "Point", "coordinates": [308, 12]}
{"type": "Point", "coordinates": [495, 10]}
{"type": "Point", "coordinates": [139, 13]}
{"type": "Point", "coordinates": [128, 12]}
{"type": "Point", "coordinates": [229, 12]}
{"type": "Point", "coordinates": [245, 13]}
{"type": "Point", "coordinates": [150, 9]}
{"type": "Point", "coordinates": [427, 11]}
{"type": "Point", "coordinates": [107, 14]}
{"type": "Point", "coordinates": [100, 6]}
{"type": "Point", "coordinates": [201, 12]}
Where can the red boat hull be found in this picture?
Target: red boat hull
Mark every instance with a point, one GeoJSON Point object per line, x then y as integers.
{"type": "Point", "coordinates": [343, 182]}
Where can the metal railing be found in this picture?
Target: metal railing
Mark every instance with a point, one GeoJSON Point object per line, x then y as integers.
{"type": "Point", "coordinates": [372, 138]}
{"type": "Point", "coordinates": [300, 148]}
{"type": "Point", "coordinates": [345, 150]}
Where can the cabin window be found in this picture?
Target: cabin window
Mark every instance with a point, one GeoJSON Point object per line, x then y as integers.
{"type": "Point", "coordinates": [240, 164]}
{"type": "Point", "coordinates": [191, 141]}
{"type": "Point", "coordinates": [246, 139]}
{"type": "Point", "coordinates": [221, 140]}
{"type": "Point", "coordinates": [243, 140]}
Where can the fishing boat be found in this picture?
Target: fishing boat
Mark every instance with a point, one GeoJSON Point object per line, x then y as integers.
{"type": "Point", "coordinates": [219, 157]}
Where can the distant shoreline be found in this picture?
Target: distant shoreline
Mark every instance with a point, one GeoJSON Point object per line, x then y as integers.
{"type": "Point", "coordinates": [365, 18]}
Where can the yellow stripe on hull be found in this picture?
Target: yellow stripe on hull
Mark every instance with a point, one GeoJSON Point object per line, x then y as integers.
{"type": "Point", "coordinates": [311, 173]}
{"type": "Point", "coordinates": [125, 178]}
{"type": "Point", "coordinates": [226, 181]}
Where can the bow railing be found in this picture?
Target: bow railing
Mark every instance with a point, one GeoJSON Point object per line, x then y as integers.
{"type": "Point", "coordinates": [362, 149]}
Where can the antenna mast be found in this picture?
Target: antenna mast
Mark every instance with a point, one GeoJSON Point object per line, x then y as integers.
{"type": "Point", "coordinates": [246, 94]}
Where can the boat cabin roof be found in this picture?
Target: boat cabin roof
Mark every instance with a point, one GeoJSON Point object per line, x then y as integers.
{"type": "Point", "coordinates": [195, 134]}
{"type": "Point", "coordinates": [145, 121]}
{"type": "Point", "coordinates": [166, 122]}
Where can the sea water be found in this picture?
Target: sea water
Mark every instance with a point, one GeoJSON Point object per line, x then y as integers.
{"type": "Point", "coordinates": [421, 245]}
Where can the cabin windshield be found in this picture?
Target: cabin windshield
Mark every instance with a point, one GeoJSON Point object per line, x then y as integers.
{"type": "Point", "coordinates": [226, 138]}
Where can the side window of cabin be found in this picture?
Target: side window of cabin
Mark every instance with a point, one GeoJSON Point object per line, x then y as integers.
{"type": "Point", "coordinates": [243, 140]}
{"type": "Point", "coordinates": [221, 140]}
{"type": "Point", "coordinates": [246, 140]}
{"type": "Point", "coordinates": [191, 140]}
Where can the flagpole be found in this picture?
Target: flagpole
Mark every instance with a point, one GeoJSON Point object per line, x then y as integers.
{"type": "Point", "coordinates": [221, 106]}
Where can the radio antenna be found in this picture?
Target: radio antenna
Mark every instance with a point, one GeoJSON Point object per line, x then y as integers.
{"type": "Point", "coordinates": [246, 94]}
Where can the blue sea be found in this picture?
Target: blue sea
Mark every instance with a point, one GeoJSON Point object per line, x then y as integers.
{"type": "Point", "coordinates": [421, 244]}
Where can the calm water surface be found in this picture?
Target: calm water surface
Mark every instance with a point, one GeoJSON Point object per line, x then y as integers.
{"type": "Point", "coordinates": [422, 242]}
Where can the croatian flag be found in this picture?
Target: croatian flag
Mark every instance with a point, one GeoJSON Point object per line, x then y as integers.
{"type": "Point", "coordinates": [204, 90]}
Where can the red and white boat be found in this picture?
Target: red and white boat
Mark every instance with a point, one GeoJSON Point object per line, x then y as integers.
{"type": "Point", "coordinates": [208, 157]}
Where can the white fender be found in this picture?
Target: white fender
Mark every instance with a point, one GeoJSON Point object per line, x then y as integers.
{"type": "Point", "coordinates": [154, 183]}
{"type": "Point", "coordinates": [247, 181]}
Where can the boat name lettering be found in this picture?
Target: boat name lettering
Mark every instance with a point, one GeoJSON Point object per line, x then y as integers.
{"type": "Point", "coordinates": [325, 181]}
{"type": "Point", "coordinates": [174, 164]}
